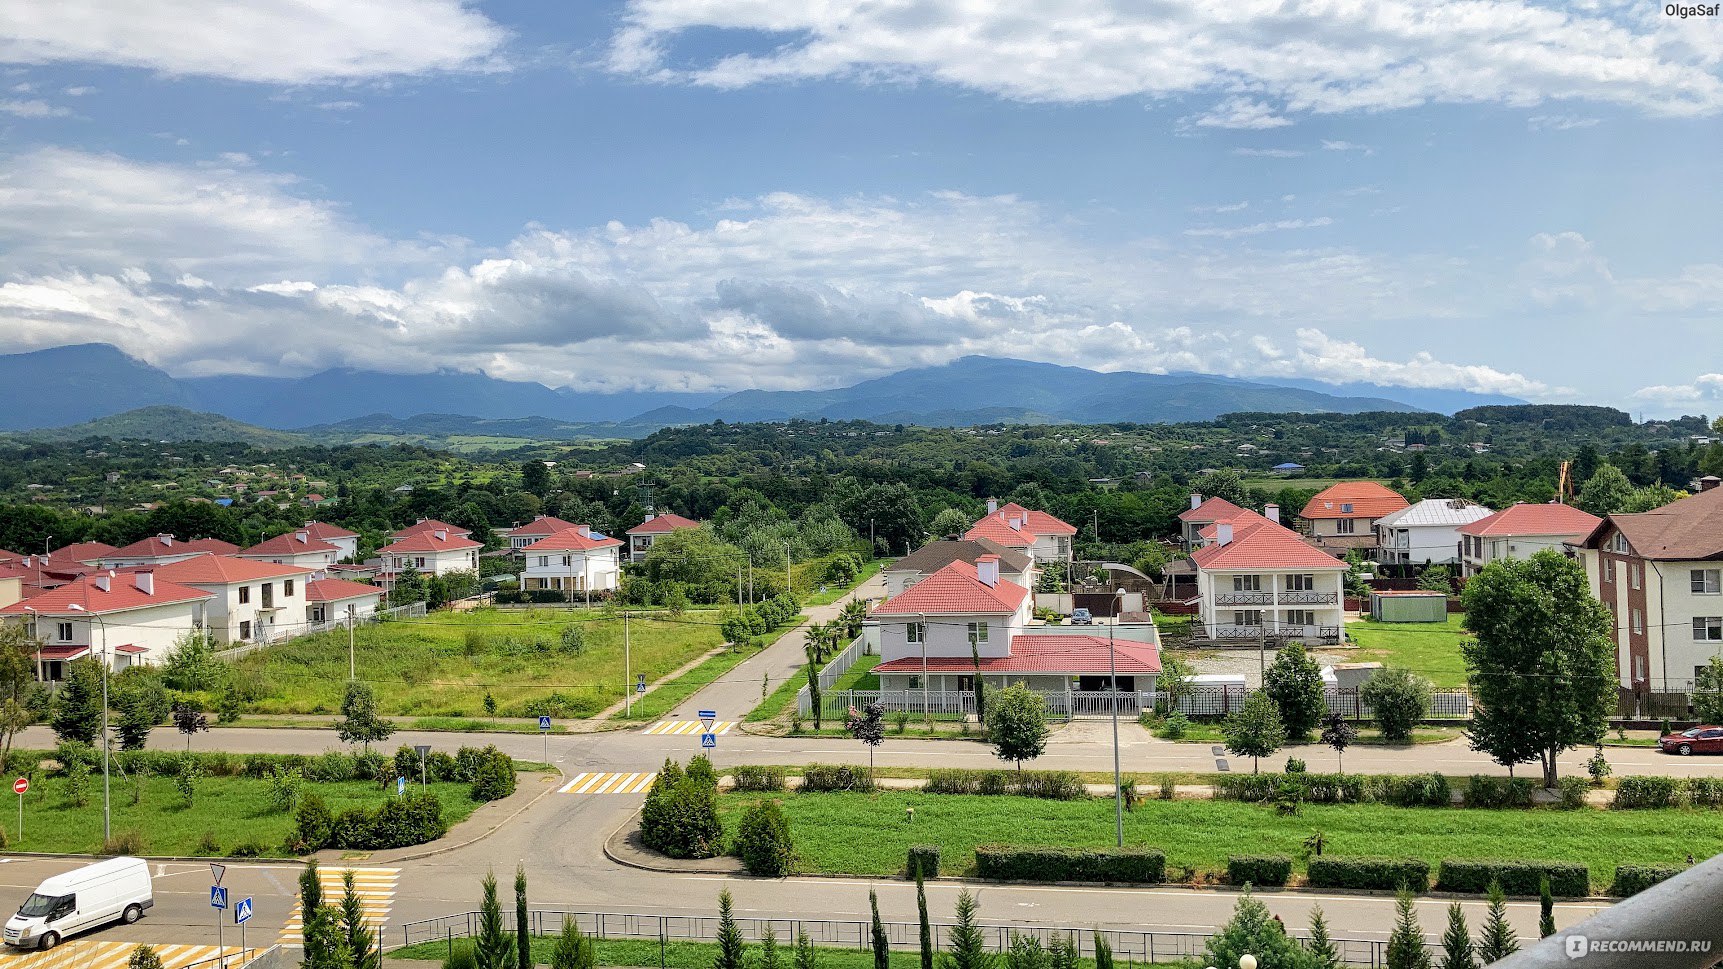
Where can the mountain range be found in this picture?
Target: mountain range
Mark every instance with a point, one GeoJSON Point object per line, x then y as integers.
{"type": "Point", "coordinates": [73, 385]}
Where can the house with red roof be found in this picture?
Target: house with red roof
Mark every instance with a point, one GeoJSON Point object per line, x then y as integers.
{"type": "Point", "coordinates": [1051, 538]}
{"type": "Point", "coordinates": [641, 536]}
{"type": "Point", "coordinates": [128, 617]}
{"type": "Point", "coordinates": [163, 550]}
{"type": "Point", "coordinates": [430, 525]}
{"type": "Point", "coordinates": [435, 551]}
{"type": "Point", "coordinates": [1517, 531]}
{"type": "Point", "coordinates": [250, 601]}
{"type": "Point", "coordinates": [329, 602]}
{"type": "Point", "coordinates": [575, 561]}
{"type": "Point", "coordinates": [544, 526]}
{"type": "Point", "coordinates": [1202, 513]}
{"type": "Point", "coordinates": [1257, 578]}
{"type": "Point", "coordinates": [86, 553]}
{"type": "Point", "coordinates": [346, 542]}
{"type": "Point", "coordinates": [295, 548]}
{"type": "Point", "coordinates": [1343, 516]}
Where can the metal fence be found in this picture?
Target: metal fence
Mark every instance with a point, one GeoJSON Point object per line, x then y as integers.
{"type": "Point", "coordinates": [1206, 701]}
{"type": "Point", "coordinates": [832, 672]}
{"type": "Point", "coordinates": [1128, 945]}
{"type": "Point", "coordinates": [412, 610]}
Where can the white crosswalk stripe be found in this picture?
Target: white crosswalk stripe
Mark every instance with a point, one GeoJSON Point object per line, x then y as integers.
{"type": "Point", "coordinates": [374, 886]}
{"type": "Point", "coordinates": [609, 782]}
{"type": "Point", "coordinates": [687, 727]}
{"type": "Point", "coordinates": [90, 954]}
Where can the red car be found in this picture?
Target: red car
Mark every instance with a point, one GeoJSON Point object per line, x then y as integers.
{"type": "Point", "coordinates": [1700, 740]}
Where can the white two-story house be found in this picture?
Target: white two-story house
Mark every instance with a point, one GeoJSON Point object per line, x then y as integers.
{"type": "Point", "coordinates": [295, 548]}
{"type": "Point", "coordinates": [346, 542]}
{"type": "Point", "coordinates": [1343, 516]}
{"type": "Point", "coordinates": [1518, 531]}
{"type": "Point", "coordinates": [542, 527]}
{"type": "Point", "coordinates": [163, 550]}
{"type": "Point", "coordinates": [250, 601]}
{"type": "Point", "coordinates": [1427, 533]}
{"type": "Point", "coordinates": [641, 536]}
{"type": "Point", "coordinates": [433, 552]}
{"type": "Point", "coordinates": [575, 560]}
{"type": "Point", "coordinates": [1257, 578]}
{"type": "Point", "coordinates": [1051, 537]}
{"type": "Point", "coordinates": [135, 617]}
{"type": "Point", "coordinates": [336, 600]}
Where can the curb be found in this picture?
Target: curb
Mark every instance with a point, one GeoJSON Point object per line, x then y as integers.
{"type": "Point", "coordinates": [442, 849]}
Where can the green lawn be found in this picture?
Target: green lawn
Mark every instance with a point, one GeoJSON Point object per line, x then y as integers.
{"type": "Point", "coordinates": [1432, 650]}
{"type": "Point", "coordinates": [233, 810]}
{"type": "Point", "coordinates": [782, 699]}
{"type": "Point", "coordinates": [860, 676]}
{"type": "Point", "coordinates": [667, 697]}
{"type": "Point", "coordinates": [834, 593]}
{"type": "Point", "coordinates": [429, 667]}
{"type": "Point", "coordinates": [1209, 732]}
{"type": "Point", "coordinates": [867, 834]}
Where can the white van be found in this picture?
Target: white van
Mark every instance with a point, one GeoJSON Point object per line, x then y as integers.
{"type": "Point", "coordinates": [116, 890]}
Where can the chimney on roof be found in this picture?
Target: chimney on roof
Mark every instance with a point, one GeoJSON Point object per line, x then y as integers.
{"type": "Point", "coordinates": [302, 537]}
{"type": "Point", "coordinates": [1223, 533]}
{"type": "Point", "coordinates": [440, 534]}
{"type": "Point", "coordinates": [584, 531]}
{"type": "Point", "coordinates": [649, 517]}
{"type": "Point", "coordinates": [1196, 502]}
{"type": "Point", "coordinates": [165, 539]}
{"type": "Point", "coordinates": [101, 581]}
{"type": "Point", "coordinates": [146, 583]}
{"type": "Point", "coordinates": [309, 524]}
{"type": "Point", "coordinates": [987, 570]}
{"type": "Point", "coordinates": [1272, 513]}
{"type": "Point", "coordinates": [1709, 481]}
{"type": "Point", "coordinates": [1016, 522]}
{"type": "Point", "coordinates": [992, 506]}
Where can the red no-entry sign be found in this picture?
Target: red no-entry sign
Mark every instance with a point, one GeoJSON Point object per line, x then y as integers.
{"type": "Point", "coordinates": [20, 785]}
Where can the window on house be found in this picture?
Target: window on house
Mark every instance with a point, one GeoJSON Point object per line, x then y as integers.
{"type": "Point", "coordinates": [419, 562]}
{"type": "Point", "coordinates": [1618, 543]}
{"type": "Point", "coordinates": [1638, 622]}
{"type": "Point", "coordinates": [287, 587]}
{"type": "Point", "coordinates": [1708, 628]}
{"type": "Point", "coordinates": [1346, 526]}
{"type": "Point", "coordinates": [1300, 583]}
{"type": "Point", "coordinates": [63, 632]}
{"type": "Point", "coordinates": [1639, 667]}
{"type": "Point", "coordinates": [1247, 583]}
{"type": "Point", "coordinates": [915, 633]}
{"type": "Point", "coordinates": [1346, 508]}
{"type": "Point", "coordinates": [1608, 570]}
{"type": "Point", "coordinates": [245, 629]}
{"type": "Point", "coordinates": [978, 633]}
{"type": "Point", "coordinates": [1247, 617]}
{"type": "Point", "coordinates": [544, 561]}
{"type": "Point", "coordinates": [1633, 574]}
{"type": "Point", "coordinates": [1705, 582]}
{"type": "Point", "coordinates": [567, 560]}
{"type": "Point", "coordinates": [915, 681]}
{"type": "Point", "coordinates": [1300, 617]}
{"type": "Point", "coordinates": [244, 594]}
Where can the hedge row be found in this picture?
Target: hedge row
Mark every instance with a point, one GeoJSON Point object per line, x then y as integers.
{"type": "Point", "coordinates": [490, 771]}
{"type": "Point", "coordinates": [1058, 785]}
{"type": "Point", "coordinates": [926, 857]}
{"type": "Point", "coordinates": [1490, 791]}
{"type": "Point", "coordinates": [415, 818]}
{"type": "Point", "coordinates": [1633, 879]}
{"type": "Point", "coordinates": [1258, 870]}
{"type": "Point", "coordinates": [1381, 874]}
{"type": "Point", "coordinates": [835, 777]}
{"type": "Point", "coordinates": [749, 777]}
{"type": "Point", "coordinates": [1131, 866]}
{"type": "Point", "coordinates": [1516, 877]}
{"type": "Point", "coordinates": [1638, 793]}
{"type": "Point", "coordinates": [1400, 790]}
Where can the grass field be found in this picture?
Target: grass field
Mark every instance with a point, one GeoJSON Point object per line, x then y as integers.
{"type": "Point", "coordinates": [232, 810]}
{"type": "Point", "coordinates": [1432, 650]}
{"type": "Point", "coordinates": [1209, 732]}
{"type": "Point", "coordinates": [666, 697]}
{"type": "Point", "coordinates": [444, 664]}
{"type": "Point", "coordinates": [867, 834]}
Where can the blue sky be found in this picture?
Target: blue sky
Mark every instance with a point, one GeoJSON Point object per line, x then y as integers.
{"type": "Point", "coordinates": [708, 194]}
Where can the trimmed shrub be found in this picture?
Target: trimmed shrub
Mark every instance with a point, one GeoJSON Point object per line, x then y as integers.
{"type": "Point", "coordinates": [1253, 788]}
{"type": "Point", "coordinates": [752, 778]}
{"type": "Point", "coordinates": [1490, 791]}
{"type": "Point", "coordinates": [835, 777]}
{"type": "Point", "coordinates": [1056, 785]}
{"type": "Point", "coordinates": [495, 776]}
{"type": "Point", "coordinates": [1412, 790]}
{"type": "Point", "coordinates": [952, 780]}
{"type": "Point", "coordinates": [1573, 791]}
{"type": "Point", "coordinates": [1640, 793]}
{"type": "Point", "coordinates": [1516, 877]}
{"type": "Point", "coordinates": [1633, 879]}
{"type": "Point", "coordinates": [680, 816]}
{"type": "Point", "coordinates": [763, 841]}
{"type": "Point", "coordinates": [927, 857]}
{"type": "Point", "coordinates": [313, 823]}
{"type": "Point", "coordinates": [1258, 870]}
{"type": "Point", "coordinates": [1378, 874]}
{"type": "Point", "coordinates": [412, 819]}
{"type": "Point", "coordinates": [1131, 866]}
{"type": "Point", "coordinates": [1705, 792]}
{"type": "Point", "coordinates": [329, 766]}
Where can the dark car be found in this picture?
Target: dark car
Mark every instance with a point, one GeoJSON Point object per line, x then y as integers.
{"type": "Point", "coordinates": [1700, 740]}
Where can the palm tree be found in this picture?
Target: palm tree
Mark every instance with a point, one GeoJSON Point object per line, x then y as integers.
{"type": "Point", "coordinates": [851, 617]}
{"type": "Point", "coordinates": [819, 636]}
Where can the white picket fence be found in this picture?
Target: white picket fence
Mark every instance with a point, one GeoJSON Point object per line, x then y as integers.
{"type": "Point", "coordinates": [412, 610]}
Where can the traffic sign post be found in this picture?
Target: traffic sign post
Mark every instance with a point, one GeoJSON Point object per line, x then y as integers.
{"type": "Point", "coordinates": [217, 897]}
{"type": "Point", "coordinates": [19, 786]}
{"type": "Point", "coordinates": [424, 751]}
{"type": "Point", "coordinates": [400, 785]}
{"type": "Point", "coordinates": [218, 901]}
{"type": "Point", "coordinates": [242, 915]}
{"type": "Point", "coordinates": [708, 718]}
{"type": "Point", "coordinates": [708, 741]}
{"type": "Point", "coordinates": [640, 683]}
{"type": "Point", "coordinates": [544, 728]}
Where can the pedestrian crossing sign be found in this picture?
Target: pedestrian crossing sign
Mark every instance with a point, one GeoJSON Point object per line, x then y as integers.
{"type": "Point", "coordinates": [708, 740]}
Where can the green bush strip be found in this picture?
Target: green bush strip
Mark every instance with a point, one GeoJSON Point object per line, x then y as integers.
{"type": "Point", "coordinates": [1379, 874]}
{"type": "Point", "coordinates": [1259, 870]}
{"type": "Point", "coordinates": [1633, 879]}
{"type": "Point", "coordinates": [1129, 866]}
{"type": "Point", "coordinates": [1516, 877]}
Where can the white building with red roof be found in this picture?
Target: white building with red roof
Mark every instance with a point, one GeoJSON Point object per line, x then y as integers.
{"type": "Point", "coordinates": [1343, 516]}
{"type": "Point", "coordinates": [86, 553]}
{"type": "Point", "coordinates": [575, 561]}
{"type": "Point", "coordinates": [424, 525]}
{"type": "Point", "coordinates": [250, 601]}
{"type": "Point", "coordinates": [297, 547]}
{"type": "Point", "coordinates": [435, 551]}
{"type": "Point", "coordinates": [135, 615]}
{"type": "Point", "coordinates": [544, 526]}
{"type": "Point", "coordinates": [163, 550]}
{"type": "Point", "coordinates": [1257, 578]}
{"type": "Point", "coordinates": [1050, 538]}
{"type": "Point", "coordinates": [332, 601]}
{"type": "Point", "coordinates": [1202, 513]}
{"type": "Point", "coordinates": [1517, 531]}
{"type": "Point", "coordinates": [346, 542]}
{"type": "Point", "coordinates": [641, 536]}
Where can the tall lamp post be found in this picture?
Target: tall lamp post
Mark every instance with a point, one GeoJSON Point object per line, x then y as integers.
{"type": "Point", "coordinates": [1113, 705]}
{"type": "Point", "coordinates": [107, 807]}
{"type": "Point", "coordinates": [926, 711]}
{"type": "Point", "coordinates": [36, 634]}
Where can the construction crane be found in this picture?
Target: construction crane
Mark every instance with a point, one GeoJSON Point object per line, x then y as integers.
{"type": "Point", "coordinates": [1564, 483]}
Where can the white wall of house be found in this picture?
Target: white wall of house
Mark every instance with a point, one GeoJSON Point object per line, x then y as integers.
{"type": "Point", "coordinates": [317, 561]}
{"type": "Point", "coordinates": [898, 580]}
{"type": "Point", "coordinates": [1417, 544]}
{"type": "Point", "coordinates": [1498, 548]}
{"type": "Point", "coordinates": [126, 561]}
{"type": "Point", "coordinates": [1294, 602]}
{"type": "Point", "coordinates": [949, 635]}
{"type": "Point", "coordinates": [1051, 548]}
{"type": "Point", "coordinates": [594, 569]}
{"type": "Point", "coordinates": [255, 611]}
{"type": "Point", "coordinates": [434, 563]}
{"type": "Point", "coordinates": [156, 628]}
{"type": "Point", "coordinates": [336, 610]}
{"type": "Point", "coordinates": [962, 682]}
{"type": "Point", "coordinates": [345, 547]}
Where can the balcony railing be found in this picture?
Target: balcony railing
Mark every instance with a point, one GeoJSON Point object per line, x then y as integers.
{"type": "Point", "coordinates": [1307, 598]}
{"type": "Point", "coordinates": [1269, 599]}
{"type": "Point", "coordinates": [1237, 633]}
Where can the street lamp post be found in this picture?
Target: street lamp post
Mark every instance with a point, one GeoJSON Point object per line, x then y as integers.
{"type": "Point", "coordinates": [788, 583]}
{"type": "Point", "coordinates": [1113, 705]}
{"type": "Point", "coordinates": [107, 806]}
{"type": "Point", "coordinates": [36, 634]}
{"type": "Point", "coordinates": [921, 627]}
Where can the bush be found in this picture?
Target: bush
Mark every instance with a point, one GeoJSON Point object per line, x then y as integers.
{"type": "Point", "coordinates": [124, 843]}
{"type": "Point", "coordinates": [680, 816]}
{"type": "Point", "coordinates": [329, 766]}
{"type": "Point", "coordinates": [1296, 765]}
{"type": "Point", "coordinates": [925, 856]}
{"type": "Point", "coordinates": [1050, 784]}
{"type": "Point", "coordinates": [1055, 785]}
{"type": "Point", "coordinates": [1174, 727]}
{"type": "Point", "coordinates": [249, 848]}
{"type": "Point", "coordinates": [1490, 791]}
{"type": "Point", "coordinates": [835, 777]}
{"type": "Point", "coordinates": [1573, 791]}
{"type": "Point", "coordinates": [1258, 870]}
{"type": "Point", "coordinates": [1633, 879]}
{"type": "Point", "coordinates": [313, 823]}
{"type": "Point", "coordinates": [1411, 790]}
{"type": "Point", "coordinates": [1378, 874]}
{"type": "Point", "coordinates": [1639, 793]}
{"type": "Point", "coordinates": [752, 778]}
{"type": "Point", "coordinates": [1131, 866]}
{"type": "Point", "coordinates": [1516, 877]}
{"type": "Point", "coordinates": [1705, 792]}
{"type": "Point", "coordinates": [208, 846]}
{"type": "Point", "coordinates": [1400, 699]}
{"type": "Point", "coordinates": [763, 841]}
{"type": "Point", "coordinates": [284, 784]}
{"type": "Point", "coordinates": [412, 819]}
{"type": "Point", "coordinates": [494, 778]}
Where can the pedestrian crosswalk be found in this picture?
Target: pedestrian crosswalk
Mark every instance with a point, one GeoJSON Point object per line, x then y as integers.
{"type": "Point", "coordinates": [374, 886]}
{"type": "Point", "coordinates": [688, 727]}
{"type": "Point", "coordinates": [90, 954]}
{"type": "Point", "coordinates": [609, 782]}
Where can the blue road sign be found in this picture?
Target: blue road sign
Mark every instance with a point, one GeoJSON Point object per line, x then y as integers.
{"type": "Point", "coordinates": [544, 723]}
{"type": "Point", "coordinates": [708, 740]}
{"type": "Point", "coordinates": [708, 714]}
{"type": "Point", "coordinates": [242, 912]}
{"type": "Point", "coordinates": [640, 683]}
{"type": "Point", "coordinates": [400, 785]}
{"type": "Point", "coordinates": [217, 896]}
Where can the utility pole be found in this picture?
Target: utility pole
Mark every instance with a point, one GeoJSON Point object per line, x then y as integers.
{"type": "Point", "coordinates": [788, 582]}
{"type": "Point", "coordinates": [352, 664]}
{"type": "Point", "coordinates": [1113, 704]}
{"type": "Point", "coordinates": [627, 671]}
{"type": "Point", "coordinates": [107, 805]}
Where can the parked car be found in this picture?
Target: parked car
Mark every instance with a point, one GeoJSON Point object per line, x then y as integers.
{"type": "Point", "coordinates": [116, 890]}
{"type": "Point", "coordinates": [1082, 617]}
{"type": "Point", "coordinates": [1704, 739]}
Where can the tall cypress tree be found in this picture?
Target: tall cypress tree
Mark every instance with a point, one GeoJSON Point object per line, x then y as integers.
{"type": "Point", "coordinates": [361, 941]}
{"type": "Point", "coordinates": [1497, 941]}
{"type": "Point", "coordinates": [926, 925]}
{"type": "Point", "coordinates": [881, 944]}
{"type": "Point", "coordinates": [1457, 941]}
{"type": "Point", "coordinates": [523, 940]}
{"type": "Point", "coordinates": [1546, 909]}
{"type": "Point", "coordinates": [310, 892]}
{"type": "Point", "coordinates": [1324, 954]}
{"type": "Point", "coordinates": [1103, 951]}
{"type": "Point", "coordinates": [968, 946]}
{"type": "Point", "coordinates": [492, 948]}
{"type": "Point", "coordinates": [731, 948]}
{"type": "Point", "coordinates": [806, 958]}
{"type": "Point", "coordinates": [768, 950]}
{"type": "Point", "coordinates": [1406, 943]}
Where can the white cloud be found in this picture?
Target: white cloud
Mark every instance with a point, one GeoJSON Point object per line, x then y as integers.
{"type": "Point", "coordinates": [1300, 56]}
{"type": "Point", "coordinates": [32, 108]}
{"type": "Point", "coordinates": [269, 41]}
{"type": "Point", "coordinates": [1707, 388]}
{"type": "Point", "coordinates": [1227, 207]}
{"type": "Point", "coordinates": [1559, 122]}
{"type": "Point", "coordinates": [1268, 152]}
{"type": "Point", "coordinates": [1346, 146]}
{"type": "Point", "coordinates": [1239, 113]}
{"type": "Point", "coordinates": [1234, 232]}
{"type": "Point", "coordinates": [78, 90]}
{"type": "Point", "coordinates": [1316, 354]}
{"type": "Point", "coordinates": [338, 106]}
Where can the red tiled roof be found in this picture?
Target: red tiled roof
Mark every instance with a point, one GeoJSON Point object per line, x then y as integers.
{"type": "Point", "coordinates": [10, 556]}
{"type": "Point", "coordinates": [1211, 510]}
{"type": "Point", "coordinates": [431, 525]}
{"type": "Point", "coordinates": [154, 547]}
{"type": "Point", "coordinates": [326, 531]}
{"type": "Point", "coordinates": [429, 542]}
{"type": "Point", "coordinates": [122, 595]}
{"type": "Point", "coordinates": [1038, 522]}
{"type": "Point", "coordinates": [61, 652]}
{"type": "Point", "coordinates": [289, 544]}
{"type": "Point", "coordinates": [570, 540]}
{"type": "Point", "coordinates": [1534, 519]}
{"type": "Point", "coordinates": [994, 528]}
{"type": "Point", "coordinates": [78, 551]}
{"type": "Point", "coordinates": [223, 570]}
{"type": "Point", "coordinates": [330, 590]}
{"type": "Point", "coordinates": [1686, 530]}
{"type": "Point", "coordinates": [1031, 653]}
{"type": "Point", "coordinates": [954, 589]}
{"type": "Point", "coordinates": [1264, 545]}
{"type": "Point", "coordinates": [665, 522]}
{"type": "Point", "coordinates": [1367, 498]}
{"type": "Point", "coordinates": [131, 648]}
{"type": "Point", "coordinates": [542, 525]}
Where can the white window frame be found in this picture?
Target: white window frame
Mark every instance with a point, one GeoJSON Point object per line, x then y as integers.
{"type": "Point", "coordinates": [1247, 583]}
{"type": "Point", "coordinates": [978, 634]}
{"type": "Point", "coordinates": [1346, 526]}
{"type": "Point", "coordinates": [1247, 617]}
{"type": "Point", "coordinates": [1635, 574]}
{"type": "Point", "coordinates": [1705, 582]}
{"type": "Point", "coordinates": [1301, 582]}
{"type": "Point", "coordinates": [1609, 570]}
{"type": "Point", "coordinates": [63, 631]}
{"type": "Point", "coordinates": [915, 633]}
{"type": "Point", "coordinates": [1638, 622]}
{"type": "Point", "coordinates": [1708, 629]}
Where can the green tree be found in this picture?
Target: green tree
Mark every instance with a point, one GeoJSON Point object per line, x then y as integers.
{"type": "Point", "coordinates": [1707, 694]}
{"type": "Point", "coordinates": [966, 943]}
{"type": "Point", "coordinates": [881, 942]}
{"type": "Point", "coordinates": [1062, 952]}
{"type": "Point", "coordinates": [17, 682]}
{"type": "Point", "coordinates": [1025, 952]}
{"type": "Point", "coordinates": [310, 889]}
{"type": "Point", "coordinates": [812, 670]}
{"type": "Point", "coordinates": [1323, 953]}
{"type": "Point", "coordinates": [806, 956]}
{"type": "Point", "coordinates": [949, 522]}
{"type": "Point", "coordinates": [523, 934]}
{"type": "Point", "coordinates": [492, 946]}
{"type": "Point", "coordinates": [1252, 930]}
{"type": "Point", "coordinates": [1176, 679]}
{"type": "Point", "coordinates": [191, 665]}
{"type": "Point", "coordinates": [144, 957]}
{"type": "Point", "coordinates": [1543, 662]}
{"type": "Point", "coordinates": [1294, 682]}
{"type": "Point", "coordinates": [361, 940]}
{"type": "Point", "coordinates": [732, 952]}
{"type": "Point", "coordinates": [1400, 698]}
{"type": "Point", "coordinates": [1339, 734]}
{"type": "Point", "coordinates": [359, 721]}
{"type": "Point", "coordinates": [1546, 909]}
{"type": "Point", "coordinates": [1224, 483]}
{"type": "Point", "coordinates": [534, 478]}
{"type": "Point", "coordinates": [409, 587]}
{"type": "Point", "coordinates": [768, 950]}
{"type": "Point", "coordinates": [1497, 940]}
{"type": "Point", "coordinates": [1437, 578]}
{"type": "Point", "coordinates": [1254, 730]}
{"type": "Point", "coordinates": [1017, 726]}
{"type": "Point", "coordinates": [921, 913]}
{"type": "Point", "coordinates": [1605, 492]}
{"type": "Point", "coordinates": [1406, 942]}
{"type": "Point", "coordinates": [573, 950]}
{"type": "Point", "coordinates": [325, 943]}
{"type": "Point", "coordinates": [1457, 950]}
{"type": "Point", "coordinates": [78, 704]}
{"type": "Point", "coordinates": [1103, 951]}
{"type": "Point", "coordinates": [763, 841]}
{"type": "Point", "coordinates": [1650, 497]}
{"type": "Point", "coordinates": [139, 703]}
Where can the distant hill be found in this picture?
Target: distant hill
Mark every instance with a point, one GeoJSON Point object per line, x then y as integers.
{"type": "Point", "coordinates": [67, 385]}
{"type": "Point", "coordinates": [167, 423]}
{"type": "Point", "coordinates": [443, 427]}
{"type": "Point", "coordinates": [1426, 398]}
